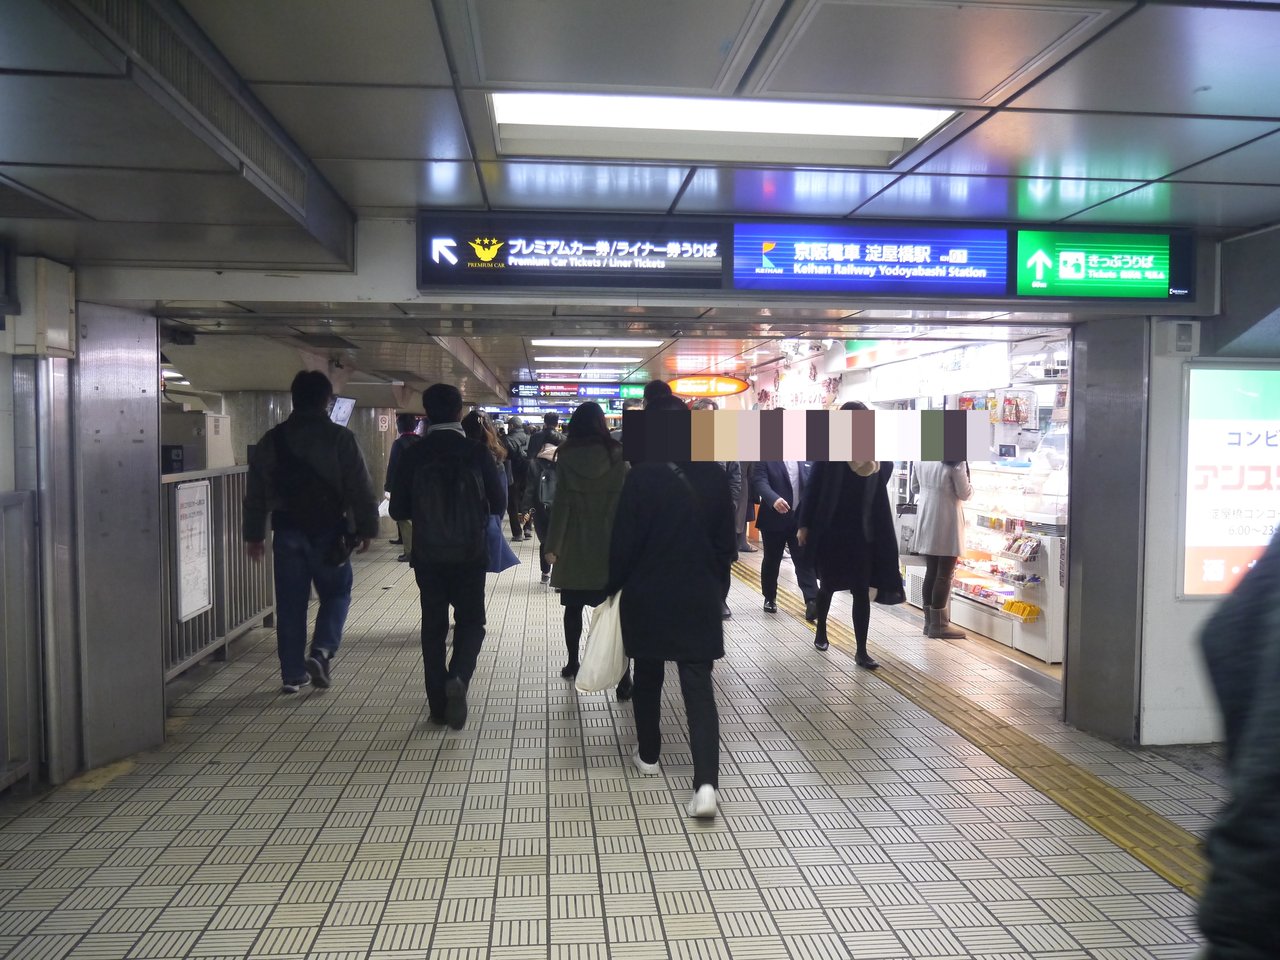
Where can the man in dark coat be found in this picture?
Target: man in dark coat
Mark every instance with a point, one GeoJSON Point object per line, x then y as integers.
{"type": "Point", "coordinates": [780, 487]}
{"type": "Point", "coordinates": [1240, 911]}
{"type": "Point", "coordinates": [671, 550]}
{"type": "Point", "coordinates": [549, 435]}
{"type": "Point", "coordinates": [407, 427]}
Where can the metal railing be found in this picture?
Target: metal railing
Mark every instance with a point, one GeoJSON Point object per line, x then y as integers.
{"type": "Point", "coordinates": [241, 590]}
{"type": "Point", "coordinates": [19, 640]}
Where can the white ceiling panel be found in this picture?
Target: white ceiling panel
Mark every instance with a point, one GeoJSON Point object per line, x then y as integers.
{"type": "Point", "coordinates": [989, 198]}
{"type": "Point", "coordinates": [1092, 147]}
{"type": "Point", "coordinates": [91, 122]}
{"type": "Point", "coordinates": [671, 45]}
{"type": "Point", "coordinates": [327, 41]}
{"type": "Point", "coordinates": [1257, 162]}
{"type": "Point", "coordinates": [36, 37]}
{"type": "Point", "coordinates": [594, 187]}
{"type": "Point", "coordinates": [944, 52]}
{"type": "Point", "coordinates": [1204, 204]}
{"type": "Point", "coordinates": [779, 192]}
{"type": "Point", "coordinates": [405, 184]}
{"type": "Point", "coordinates": [369, 123]}
{"type": "Point", "coordinates": [1171, 58]}
{"type": "Point", "coordinates": [152, 196]}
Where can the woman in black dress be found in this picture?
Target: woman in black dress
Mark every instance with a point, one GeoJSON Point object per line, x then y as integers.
{"type": "Point", "coordinates": [846, 518]}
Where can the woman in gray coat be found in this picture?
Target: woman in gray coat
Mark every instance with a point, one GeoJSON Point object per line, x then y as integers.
{"type": "Point", "coordinates": [941, 488]}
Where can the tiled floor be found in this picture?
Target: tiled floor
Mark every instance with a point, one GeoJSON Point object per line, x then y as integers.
{"type": "Point", "coordinates": [338, 825]}
{"type": "Point", "coordinates": [1186, 785]}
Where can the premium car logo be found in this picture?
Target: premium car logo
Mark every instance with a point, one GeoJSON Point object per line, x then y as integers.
{"type": "Point", "coordinates": [486, 250]}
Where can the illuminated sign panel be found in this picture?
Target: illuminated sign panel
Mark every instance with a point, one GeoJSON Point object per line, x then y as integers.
{"type": "Point", "coordinates": [1233, 473]}
{"type": "Point", "coordinates": [711, 386]}
{"type": "Point", "coordinates": [489, 251]}
{"type": "Point", "coordinates": [871, 259]}
{"type": "Point", "coordinates": [1052, 263]}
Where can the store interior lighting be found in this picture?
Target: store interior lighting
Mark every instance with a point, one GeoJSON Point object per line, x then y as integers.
{"type": "Point", "coordinates": [588, 359]}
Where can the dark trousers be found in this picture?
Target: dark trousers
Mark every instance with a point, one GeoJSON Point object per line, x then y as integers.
{"type": "Point", "coordinates": [775, 541]}
{"type": "Point", "coordinates": [515, 507]}
{"type": "Point", "coordinates": [443, 585]}
{"type": "Point", "coordinates": [699, 707]}
{"type": "Point", "coordinates": [542, 524]}
{"type": "Point", "coordinates": [938, 572]}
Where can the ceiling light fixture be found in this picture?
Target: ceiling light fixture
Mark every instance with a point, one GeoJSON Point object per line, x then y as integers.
{"type": "Point", "coordinates": [690, 128]}
{"type": "Point", "coordinates": [621, 344]}
{"type": "Point", "coordinates": [587, 360]}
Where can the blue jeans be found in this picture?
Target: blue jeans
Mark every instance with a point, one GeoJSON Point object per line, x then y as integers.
{"type": "Point", "coordinates": [298, 565]}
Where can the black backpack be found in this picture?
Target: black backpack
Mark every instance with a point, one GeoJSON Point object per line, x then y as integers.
{"type": "Point", "coordinates": [518, 459]}
{"type": "Point", "coordinates": [450, 508]}
{"type": "Point", "coordinates": [313, 504]}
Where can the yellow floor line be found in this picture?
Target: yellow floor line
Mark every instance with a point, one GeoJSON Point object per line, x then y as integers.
{"type": "Point", "coordinates": [101, 777]}
{"type": "Point", "coordinates": [1167, 849]}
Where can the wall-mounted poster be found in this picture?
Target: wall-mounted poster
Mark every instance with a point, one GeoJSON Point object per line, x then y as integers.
{"type": "Point", "coordinates": [193, 557]}
{"type": "Point", "coordinates": [1232, 497]}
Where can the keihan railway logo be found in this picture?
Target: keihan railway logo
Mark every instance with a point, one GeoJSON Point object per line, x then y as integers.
{"type": "Point", "coordinates": [486, 250]}
{"type": "Point", "coordinates": [767, 265]}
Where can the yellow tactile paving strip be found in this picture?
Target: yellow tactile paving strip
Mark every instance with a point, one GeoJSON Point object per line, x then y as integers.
{"type": "Point", "coordinates": [1170, 851]}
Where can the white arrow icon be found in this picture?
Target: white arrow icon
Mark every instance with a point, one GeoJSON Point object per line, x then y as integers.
{"type": "Point", "coordinates": [443, 247]}
{"type": "Point", "coordinates": [1040, 260]}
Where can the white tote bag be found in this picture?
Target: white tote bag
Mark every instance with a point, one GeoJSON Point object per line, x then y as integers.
{"type": "Point", "coordinates": [604, 661]}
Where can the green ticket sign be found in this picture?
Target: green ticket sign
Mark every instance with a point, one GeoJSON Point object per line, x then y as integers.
{"type": "Point", "coordinates": [632, 391]}
{"type": "Point", "coordinates": [1094, 265]}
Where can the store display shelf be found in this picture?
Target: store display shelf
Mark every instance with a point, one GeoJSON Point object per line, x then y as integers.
{"type": "Point", "coordinates": [997, 606]}
{"type": "Point", "coordinates": [1013, 556]}
{"type": "Point", "coordinates": [987, 575]}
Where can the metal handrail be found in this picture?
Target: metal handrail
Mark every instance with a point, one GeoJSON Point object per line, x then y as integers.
{"type": "Point", "coordinates": [243, 592]}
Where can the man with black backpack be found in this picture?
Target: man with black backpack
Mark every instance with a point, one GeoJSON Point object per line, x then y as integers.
{"type": "Point", "coordinates": [517, 443]}
{"type": "Point", "coordinates": [540, 487]}
{"type": "Point", "coordinates": [308, 472]}
{"type": "Point", "coordinates": [449, 485]}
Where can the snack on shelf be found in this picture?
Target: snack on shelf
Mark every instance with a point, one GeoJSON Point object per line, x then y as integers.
{"type": "Point", "coordinates": [1024, 611]}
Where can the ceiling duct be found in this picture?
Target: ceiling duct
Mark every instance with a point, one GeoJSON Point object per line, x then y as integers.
{"type": "Point", "coordinates": [325, 341]}
{"type": "Point", "coordinates": [153, 41]}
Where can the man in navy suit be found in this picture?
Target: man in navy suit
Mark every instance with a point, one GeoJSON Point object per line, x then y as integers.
{"type": "Point", "coordinates": [780, 485]}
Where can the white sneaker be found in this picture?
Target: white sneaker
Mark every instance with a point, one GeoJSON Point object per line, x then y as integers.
{"type": "Point", "coordinates": [648, 769]}
{"type": "Point", "coordinates": [703, 803]}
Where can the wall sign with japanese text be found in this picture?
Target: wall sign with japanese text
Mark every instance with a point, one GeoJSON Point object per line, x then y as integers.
{"type": "Point", "coordinates": [491, 251]}
{"type": "Point", "coordinates": [1232, 502]}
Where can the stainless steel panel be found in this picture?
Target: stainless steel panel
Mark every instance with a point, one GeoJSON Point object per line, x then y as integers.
{"type": "Point", "coordinates": [1108, 493]}
{"type": "Point", "coordinates": [389, 123]}
{"type": "Point", "coordinates": [118, 484]}
{"type": "Point", "coordinates": [59, 573]}
{"type": "Point", "coordinates": [1203, 204]}
{"type": "Point", "coordinates": [780, 192]}
{"type": "Point", "coordinates": [115, 124]}
{"type": "Point", "coordinates": [19, 632]}
{"type": "Point", "coordinates": [35, 38]}
{"type": "Point", "coordinates": [656, 45]}
{"type": "Point", "coordinates": [253, 413]}
{"type": "Point", "coordinates": [407, 184]}
{"type": "Point", "coordinates": [1173, 58]}
{"type": "Point", "coordinates": [327, 41]}
{"type": "Point", "coordinates": [151, 195]}
{"type": "Point", "coordinates": [949, 52]}
{"type": "Point", "coordinates": [992, 198]}
{"type": "Point", "coordinates": [1088, 146]}
{"type": "Point", "coordinates": [580, 186]}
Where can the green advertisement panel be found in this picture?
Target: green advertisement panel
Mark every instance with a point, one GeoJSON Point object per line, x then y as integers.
{"type": "Point", "coordinates": [1051, 263]}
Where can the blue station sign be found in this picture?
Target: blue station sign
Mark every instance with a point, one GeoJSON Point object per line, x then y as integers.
{"type": "Point", "coordinates": [871, 259]}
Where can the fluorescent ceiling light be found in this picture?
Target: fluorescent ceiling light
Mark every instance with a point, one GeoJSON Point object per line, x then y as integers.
{"type": "Point", "coordinates": [692, 114]}
{"type": "Point", "coordinates": [708, 130]}
{"type": "Point", "coordinates": [624, 344]}
{"type": "Point", "coordinates": [587, 360]}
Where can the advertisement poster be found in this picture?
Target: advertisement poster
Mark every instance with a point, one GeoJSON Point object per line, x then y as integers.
{"type": "Point", "coordinates": [1233, 475]}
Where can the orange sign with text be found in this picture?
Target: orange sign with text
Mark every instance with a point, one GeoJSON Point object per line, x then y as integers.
{"type": "Point", "coordinates": [707, 386]}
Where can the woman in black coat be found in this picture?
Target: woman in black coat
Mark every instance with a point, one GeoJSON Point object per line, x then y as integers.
{"type": "Point", "coordinates": [672, 546]}
{"type": "Point", "coordinates": [847, 523]}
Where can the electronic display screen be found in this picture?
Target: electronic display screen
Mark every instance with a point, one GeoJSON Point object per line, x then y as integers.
{"type": "Point", "coordinates": [1106, 266]}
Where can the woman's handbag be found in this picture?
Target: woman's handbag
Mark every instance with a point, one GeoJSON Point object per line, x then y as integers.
{"type": "Point", "coordinates": [605, 661]}
{"type": "Point", "coordinates": [501, 556]}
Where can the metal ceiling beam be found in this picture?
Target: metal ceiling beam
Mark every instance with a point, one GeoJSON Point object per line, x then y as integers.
{"type": "Point", "coordinates": [465, 355]}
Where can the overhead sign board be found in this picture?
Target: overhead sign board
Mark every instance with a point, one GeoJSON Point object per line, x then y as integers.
{"type": "Point", "coordinates": [1054, 263]}
{"type": "Point", "coordinates": [870, 259]}
{"type": "Point", "coordinates": [491, 251]}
